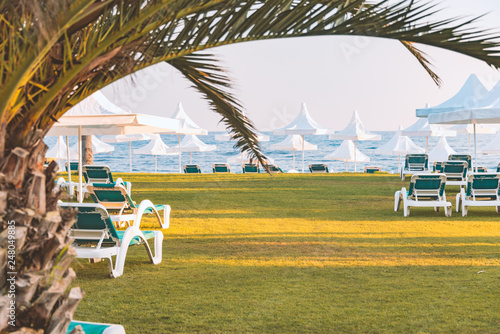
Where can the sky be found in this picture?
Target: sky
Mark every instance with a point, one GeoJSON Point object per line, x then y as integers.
{"type": "Point", "coordinates": [333, 75]}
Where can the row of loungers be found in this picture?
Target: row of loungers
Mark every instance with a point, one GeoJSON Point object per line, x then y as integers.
{"type": "Point", "coordinates": [428, 190]}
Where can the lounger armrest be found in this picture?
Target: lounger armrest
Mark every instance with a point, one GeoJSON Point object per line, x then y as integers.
{"type": "Point", "coordinates": [147, 204]}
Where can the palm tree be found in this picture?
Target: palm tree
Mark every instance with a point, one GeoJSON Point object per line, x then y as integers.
{"type": "Point", "coordinates": [55, 53]}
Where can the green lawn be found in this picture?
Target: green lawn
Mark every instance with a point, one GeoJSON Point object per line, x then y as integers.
{"type": "Point", "coordinates": [301, 254]}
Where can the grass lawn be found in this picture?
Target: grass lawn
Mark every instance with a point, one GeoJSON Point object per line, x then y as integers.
{"type": "Point", "coordinates": [301, 254]}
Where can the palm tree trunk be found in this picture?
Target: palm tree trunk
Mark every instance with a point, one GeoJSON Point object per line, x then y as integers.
{"type": "Point", "coordinates": [36, 251]}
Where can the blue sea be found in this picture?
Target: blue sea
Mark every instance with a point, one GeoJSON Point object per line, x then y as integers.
{"type": "Point", "coordinates": [118, 160]}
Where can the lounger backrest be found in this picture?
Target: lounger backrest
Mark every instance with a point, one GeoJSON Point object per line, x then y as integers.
{"type": "Point", "coordinates": [427, 183]}
{"type": "Point", "coordinates": [111, 196]}
{"type": "Point", "coordinates": [481, 183]}
{"type": "Point", "coordinates": [461, 157]}
{"type": "Point", "coordinates": [250, 168]}
{"type": "Point", "coordinates": [318, 168]}
{"type": "Point", "coordinates": [455, 169]}
{"type": "Point", "coordinates": [482, 169]}
{"type": "Point", "coordinates": [438, 166]}
{"type": "Point", "coordinates": [73, 166]}
{"type": "Point", "coordinates": [273, 169]}
{"type": "Point", "coordinates": [416, 162]}
{"type": "Point", "coordinates": [92, 218]}
{"type": "Point", "coordinates": [97, 174]}
{"type": "Point", "coordinates": [371, 170]}
{"type": "Point", "coordinates": [221, 168]}
{"type": "Point", "coordinates": [191, 169]}
{"type": "Point", "coordinates": [498, 168]}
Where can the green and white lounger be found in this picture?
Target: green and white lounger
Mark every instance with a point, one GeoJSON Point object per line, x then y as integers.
{"type": "Point", "coordinates": [273, 169]}
{"type": "Point", "coordinates": [318, 168]}
{"type": "Point", "coordinates": [250, 168]}
{"type": "Point", "coordinates": [482, 169]}
{"type": "Point", "coordinates": [221, 168]}
{"type": "Point", "coordinates": [116, 197]}
{"type": "Point", "coordinates": [96, 328]}
{"type": "Point", "coordinates": [96, 237]}
{"type": "Point", "coordinates": [456, 172]}
{"type": "Point", "coordinates": [426, 190]}
{"type": "Point", "coordinates": [73, 165]}
{"type": "Point", "coordinates": [372, 170]}
{"type": "Point", "coordinates": [482, 190]}
{"type": "Point", "coordinates": [415, 163]}
{"type": "Point", "coordinates": [191, 169]}
{"type": "Point", "coordinates": [102, 174]}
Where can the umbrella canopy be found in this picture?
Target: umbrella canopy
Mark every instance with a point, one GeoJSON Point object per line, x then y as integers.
{"type": "Point", "coordinates": [347, 152]}
{"type": "Point", "coordinates": [95, 104]}
{"type": "Point", "coordinates": [97, 147]}
{"type": "Point", "coordinates": [191, 143]}
{"type": "Point", "coordinates": [493, 147]}
{"type": "Point", "coordinates": [471, 92]}
{"type": "Point", "coordinates": [124, 139]}
{"type": "Point", "coordinates": [303, 125]}
{"type": "Point", "coordinates": [58, 151]}
{"type": "Point", "coordinates": [155, 147]}
{"type": "Point", "coordinates": [441, 151]}
{"type": "Point", "coordinates": [227, 137]}
{"type": "Point", "coordinates": [355, 130]}
{"type": "Point", "coordinates": [294, 143]}
{"type": "Point", "coordinates": [399, 145]}
{"type": "Point", "coordinates": [422, 128]}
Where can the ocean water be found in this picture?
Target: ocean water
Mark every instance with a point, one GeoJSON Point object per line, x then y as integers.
{"type": "Point", "coordinates": [118, 160]}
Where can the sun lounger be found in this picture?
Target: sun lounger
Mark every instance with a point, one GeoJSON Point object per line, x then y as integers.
{"type": "Point", "coordinates": [414, 164]}
{"type": "Point", "coordinates": [250, 168]}
{"type": "Point", "coordinates": [115, 197]}
{"type": "Point", "coordinates": [191, 169]}
{"type": "Point", "coordinates": [96, 328]}
{"type": "Point", "coordinates": [96, 237]}
{"type": "Point", "coordinates": [461, 157]}
{"type": "Point", "coordinates": [498, 168]}
{"type": "Point", "coordinates": [482, 169]}
{"type": "Point", "coordinates": [456, 172]}
{"type": "Point", "coordinates": [102, 174]}
{"type": "Point", "coordinates": [273, 169]}
{"type": "Point", "coordinates": [437, 167]}
{"type": "Point", "coordinates": [73, 165]}
{"type": "Point", "coordinates": [372, 170]}
{"type": "Point", "coordinates": [221, 168]}
{"type": "Point", "coordinates": [482, 190]}
{"type": "Point", "coordinates": [318, 168]}
{"type": "Point", "coordinates": [426, 190]}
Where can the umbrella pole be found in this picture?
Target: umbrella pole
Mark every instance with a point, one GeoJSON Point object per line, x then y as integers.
{"type": "Point", "coordinates": [69, 166]}
{"type": "Point", "coordinates": [346, 166]}
{"type": "Point", "coordinates": [80, 173]}
{"type": "Point", "coordinates": [293, 150]}
{"type": "Point", "coordinates": [469, 142]}
{"type": "Point", "coordinates": [130, 154]}
{"type": "Point", "coordinates": [180, 154]}
{"type": "Point", "coordinates": [302, 153]}
{"type": "Point", "coordinates": [427, 144]}
{"type": "Point", "coordinates": [190, 157]}
{"type": "Point", "coordinates": [475, 148]}
{"type": "Point", "coordinates": [399, 162]}
{"type": "Point", "coordinates": [156, 163]}
{"type": "Point", "coordinates": [354, 156]}
{"type": "Point", "coordinates": [59, 150]}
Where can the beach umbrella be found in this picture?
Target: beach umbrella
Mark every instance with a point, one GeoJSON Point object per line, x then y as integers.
{"type": "Point", "coordinates": [493, 147]}
{"type": "Point", "coordinates": [186, 127]}
{"type": "Point", "coordinates": [108, 123]}
{"type": "Point", "coordinates": [227, 137]}
{"type": "Point", "coordinates": [422, 128]}
{"type": "Point", "coordinates": [355, 131]}
{"type": "Point", "coordinates": [441, 151]}
{"type": "Point", "coordinates": [399, 145]}
{"type": "Point", "coordinates": [347, 152]}
{"type": "Point", "coordinates": [303, 125]}
{"type": "Point", "coordinates": [125, 139]}
{"type": "Point", "coordinates": [59, 152]}
{"type": "Point", "coordinates": [484, 111]}
{"type": "Point", "coordinates": [191, 143]}
{"type": "Point", "coordinates": [293, 143]}
{"type": "Point", "coordinates": [97, 147]}
{"type": "Point", "coordinates": [155, 147]}
{"type": "Point", "coordinates": [471, 92]}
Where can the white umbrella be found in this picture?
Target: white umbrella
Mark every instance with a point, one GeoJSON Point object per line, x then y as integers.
{"type": "Point", "coordinates": [355, 131]}
{"type": "Point", "coordinates": [97, 147]}
{"type": "Point", "coordinates": [293, 143]}
{"type": "Point", "coordinates": [484, 111]}
{"type": "Point", "coordinates": [191, 143]}
{"type": "Point", "coordinates": [124, 139]}
{"type": "Point", "coordinates": [422, 128]}
{"type": "Point", "coordinates": [493, 147]}
{"type": "Point", "coordinates": [155, 147]}
{"type": "Point", "coordinates": [242, 158]}
{"type": "Point", "coordinates": [59, 151]}
{"type": "Point", "coordinates": [303, 125]}
{"type": "Point", "coordinates": [441, 151]}
{"type": "Point", "coordinates": [186, 127]}
{"type": "Point", "coordinates": [471, 92]}
{"type": "Point", "coordinates": [347, 152]}
{"type": "Point", "coordinates": [399, 145]}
